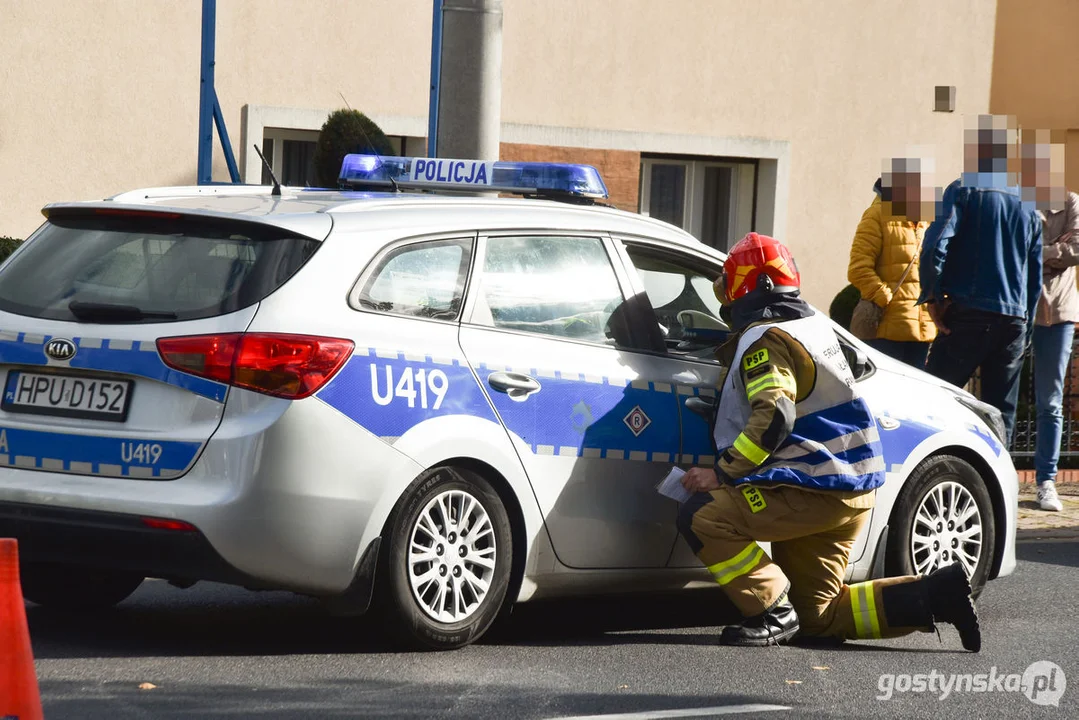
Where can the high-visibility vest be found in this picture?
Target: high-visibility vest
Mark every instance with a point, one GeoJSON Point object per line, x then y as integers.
{"type": "Point", "coordinates": [835, 444]}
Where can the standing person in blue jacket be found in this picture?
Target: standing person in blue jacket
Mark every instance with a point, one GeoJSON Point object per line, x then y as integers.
{"type": "Point", "coordinates": [981, 270]}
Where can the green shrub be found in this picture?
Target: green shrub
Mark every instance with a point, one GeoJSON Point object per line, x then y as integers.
{"type": "Point", "coordinates": [842, 306]}
{"type": "Point", "coordinates": [344, 132]}
{"type": "Point", "coordinates": [7, 246]}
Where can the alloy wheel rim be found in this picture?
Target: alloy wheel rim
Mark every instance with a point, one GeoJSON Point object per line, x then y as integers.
{"type": "Point", "coordinates": [947, 529]}
{"type": "Point", "coordinates": [451, 556]}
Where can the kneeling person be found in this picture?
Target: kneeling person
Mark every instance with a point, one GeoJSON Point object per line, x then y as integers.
{"type": "Point", "coordinates": [799, 461]}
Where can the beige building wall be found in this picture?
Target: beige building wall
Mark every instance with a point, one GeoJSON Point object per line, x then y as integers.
{"type": "Point", "coordinates": [1035, 60]}
{"type": "Point", "coordinates": [101, 96]}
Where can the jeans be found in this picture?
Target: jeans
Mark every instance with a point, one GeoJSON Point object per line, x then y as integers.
{"type": "Point", "coordinates": [911, 352]}
{"type": "Point", "coordinates": [1052, 351]}
{"type": "Point", "coordinates": [993, 342]}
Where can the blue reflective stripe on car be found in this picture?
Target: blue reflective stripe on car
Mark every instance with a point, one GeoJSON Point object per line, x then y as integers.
{"type": "Point", "coordinates": [601, 417]}
{"type": "Point", "coordinates": [130, 357]}
{"type": "Point", "coordinates": [390, 393]}
{"type": "Point", "coordinates": [93, 454]}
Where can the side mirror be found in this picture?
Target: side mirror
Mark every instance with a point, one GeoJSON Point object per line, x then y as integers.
{"type": "Point", "coordinates": [858, 360]}
{"type": "Point", "coordinates": [701, 406]}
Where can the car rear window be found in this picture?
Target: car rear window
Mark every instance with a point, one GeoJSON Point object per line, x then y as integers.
{"type": "Point", "coordinates": [148, 268]}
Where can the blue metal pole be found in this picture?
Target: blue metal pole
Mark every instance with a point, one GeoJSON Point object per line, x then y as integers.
{"type": "Point", "coordinates": [223, 136]}
{"type": "Point", "coordinates": [207, 96]}
{"type": "Point", "coordinates": [436, 77]}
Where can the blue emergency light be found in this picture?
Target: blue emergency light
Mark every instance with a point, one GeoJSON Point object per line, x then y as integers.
{"type": "Point", "coordinates": [520, 178]}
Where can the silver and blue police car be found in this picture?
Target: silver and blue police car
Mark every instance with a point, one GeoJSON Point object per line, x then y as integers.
{"type": "Point", "coordinates": [414, 394]}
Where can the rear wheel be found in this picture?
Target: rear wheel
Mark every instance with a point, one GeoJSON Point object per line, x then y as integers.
{"type": "Point", "coordinates": [446, 568]}
{"type": "Point", "coordinates": [70, 587]}
{"type": "Point", "coordinates": [943, 515]}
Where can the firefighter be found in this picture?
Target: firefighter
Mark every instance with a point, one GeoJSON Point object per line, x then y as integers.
{"type": "Point", "coordinates": [799, 460]}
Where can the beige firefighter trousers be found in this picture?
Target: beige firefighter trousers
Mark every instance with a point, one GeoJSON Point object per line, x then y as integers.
{"type": "Point", "coordinates": [812, 534]}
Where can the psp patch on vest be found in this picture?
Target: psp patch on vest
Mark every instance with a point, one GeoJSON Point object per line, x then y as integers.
{"type": "Point", "coordinates": [752, 361]}
{"type": "Point", "coordinates": [754, 498]}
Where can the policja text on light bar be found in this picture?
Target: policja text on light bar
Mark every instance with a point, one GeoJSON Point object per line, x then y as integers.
{"type": "Point", "coordinates": [522, 178]}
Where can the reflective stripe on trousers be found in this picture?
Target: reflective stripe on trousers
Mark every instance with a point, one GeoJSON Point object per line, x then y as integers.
{"type": "Point", "coordinates": [863, 606]}
{"type": "Point", "coordinates": [728, 570]}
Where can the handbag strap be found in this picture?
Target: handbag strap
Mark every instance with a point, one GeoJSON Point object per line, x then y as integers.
{"type": "Point", "coordinates": [906, 272]}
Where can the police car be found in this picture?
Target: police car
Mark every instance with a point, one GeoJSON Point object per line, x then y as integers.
{"type": "Point", "coordinates": [414, 394]}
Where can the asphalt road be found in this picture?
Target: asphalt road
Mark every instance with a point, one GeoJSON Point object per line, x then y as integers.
{"type": "Point", "coordinates": [219, 652]}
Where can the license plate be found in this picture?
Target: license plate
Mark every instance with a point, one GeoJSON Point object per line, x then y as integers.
{"type": "Point", "coordinates": [67, 396]}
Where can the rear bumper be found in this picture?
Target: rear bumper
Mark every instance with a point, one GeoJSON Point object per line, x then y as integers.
{"type": "Point", "coordinates": [282, 500]}
{"type": "Point", "coordinates": [114, 541]}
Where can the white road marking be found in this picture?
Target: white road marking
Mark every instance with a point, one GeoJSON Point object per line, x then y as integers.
{"type": "Point", "coordinates": [682, 713]}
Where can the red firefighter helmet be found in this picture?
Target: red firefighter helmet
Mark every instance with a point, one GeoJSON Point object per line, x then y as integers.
{"type": "Point", "coordinates": [755, 256]}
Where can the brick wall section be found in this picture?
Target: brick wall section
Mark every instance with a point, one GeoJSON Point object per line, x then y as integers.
{"type": "Point", "coordinates": [620, 169]}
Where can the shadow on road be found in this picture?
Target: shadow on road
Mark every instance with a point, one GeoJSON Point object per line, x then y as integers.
{"type": "Point", "coordinates": [161, 621]}
{"type": "Point", "coordinates": [1064, 554]}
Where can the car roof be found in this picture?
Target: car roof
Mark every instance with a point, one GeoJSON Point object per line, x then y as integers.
{"type": "Point", "coordinates": [304, 210]}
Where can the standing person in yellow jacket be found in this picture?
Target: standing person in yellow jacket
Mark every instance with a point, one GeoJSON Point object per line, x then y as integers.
{"type": "Point", "coordinates": [884, 260]}
{"type": "Point", "coordinates": [799, 461]}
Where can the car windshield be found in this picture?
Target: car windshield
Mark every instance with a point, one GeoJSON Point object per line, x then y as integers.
{"type": "Point", "coordinates": [147, 268]}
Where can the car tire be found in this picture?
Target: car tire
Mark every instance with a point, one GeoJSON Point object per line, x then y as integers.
{"type": "Point", "coordinates": [440, 590]}
{"type": "Point", "coordinates": [71, 587]}
{"type": "Point", "coordinates": [942, 515]}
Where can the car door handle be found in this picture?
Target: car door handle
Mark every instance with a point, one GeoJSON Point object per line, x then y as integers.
{"type": "Point", "coordinates": [516, 385]}
{"type": "Point", "coordinates": [701, 406]}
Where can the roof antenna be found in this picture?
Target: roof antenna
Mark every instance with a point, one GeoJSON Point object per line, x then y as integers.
{"type": "Point", "coordinates": [370, 144]}
{"type": "Point", "coordinates": [265, 163]}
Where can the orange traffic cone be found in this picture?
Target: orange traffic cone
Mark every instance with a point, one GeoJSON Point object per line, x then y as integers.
{"type": "Point", "coordinates": [19, 696]}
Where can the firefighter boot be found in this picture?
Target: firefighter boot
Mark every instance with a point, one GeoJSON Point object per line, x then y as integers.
{"type": "Point", "coordinates": [775, 626]}
{"type": "Point", "coordinates": [949, 601]}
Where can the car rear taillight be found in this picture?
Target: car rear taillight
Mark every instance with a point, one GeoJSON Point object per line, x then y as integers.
{"type": "Point", "coordinates": [287, 366]}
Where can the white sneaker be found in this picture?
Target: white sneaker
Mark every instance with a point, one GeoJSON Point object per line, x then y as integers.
{"type": "Point", "coordinates": [1047, 497]}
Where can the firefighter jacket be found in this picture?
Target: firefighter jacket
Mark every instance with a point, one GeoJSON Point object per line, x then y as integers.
{"type": "Point", "coordinates": [789, 412]}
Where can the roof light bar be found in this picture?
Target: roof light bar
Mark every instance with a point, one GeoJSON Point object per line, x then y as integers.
{"type": "Point", "coordinates": [522, 178]}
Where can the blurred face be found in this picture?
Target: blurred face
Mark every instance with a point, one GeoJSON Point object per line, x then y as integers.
{"type": "Point", "coordinates": [989, 144]}
{"type": "Point", "coordinates": [1042, 171]}
{"type": "Point", "coordinates": [907, 190]}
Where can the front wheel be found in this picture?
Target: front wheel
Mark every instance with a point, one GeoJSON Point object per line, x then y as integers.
{"type": "Point", "coordinates": [447, 563]}
{"type": "Point", "coordinates": [943, 515]}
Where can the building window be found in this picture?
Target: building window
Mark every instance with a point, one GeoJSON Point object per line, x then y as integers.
{"type": "Point", "coordinates": [711, 198]}
{"type": "Point", "coordinates": [291, 152]}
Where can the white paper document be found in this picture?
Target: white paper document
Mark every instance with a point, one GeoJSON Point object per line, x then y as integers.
{"type": "Point", "coordinates": [671, 486]}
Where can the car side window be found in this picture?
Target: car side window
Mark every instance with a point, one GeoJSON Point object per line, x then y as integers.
{"type": "Point", "coordinates": [560, 286]}
{"type": "Point", "coordinates": [423, 279]}
{"type": "Point", "coordinates": [680, 292]}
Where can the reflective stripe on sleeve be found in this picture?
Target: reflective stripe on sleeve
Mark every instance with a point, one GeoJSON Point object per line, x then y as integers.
{"type": "Point", "coordinates": [750, 450]}
{"type": "Point", "coordinates": [863, 606]}
{"type": "Point", "coordinates": [737, 566]}
{"type": "Point", "coordinates": [769, 381]}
